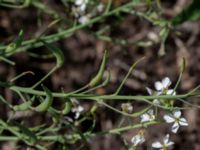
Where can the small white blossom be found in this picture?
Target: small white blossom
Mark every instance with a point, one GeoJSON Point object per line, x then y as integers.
{"type": "Point", "coordinates": [127, 107]}
{"type": "Point", "coordinates": [151, 92]}
{"type": "Point", "coordinates": [164, 84]}
{"type": "Point", "coordinates": [100, 7]}
{"type": "Point", "coordinates": [156, 102]}
{"type": "Point", "coordinates": [79, 2]}
{"type": "Point", "coordinates": [82, 4]}
{"type": "Point", "coordinates": [148, 116]}
{"type": "Point", "coordinates": [77, 108]}
{"type": "Point", "coordinates": [138, 139]}
{"type": "Point", "coordinates": [84, 19]}
{"type": "Point", "coordinates": [175, 118]}
{"type": "Point", "coordinates": [163, 87]}
{"type": "Point", "coordinates": [163, 146]}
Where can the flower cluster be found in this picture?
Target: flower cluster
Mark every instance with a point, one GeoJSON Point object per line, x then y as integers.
{"type": "Point", "coordinates": [80, 11]}
{"type": "Point", "coordinates": [162, 88]}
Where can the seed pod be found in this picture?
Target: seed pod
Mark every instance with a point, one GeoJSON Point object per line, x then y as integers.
{"type": "Point", "coordinates": [67, 108]}
{"type": "Point", "coordinates": [182, 68]}
{"type": "Point", "coordinates": [44, 106]}
{"type": "Point", "coordinates": [22, 107]}
{"type": "Point", "coordinates": [97, 79]}
{"type": "Point", "coordinates": [57, 53]}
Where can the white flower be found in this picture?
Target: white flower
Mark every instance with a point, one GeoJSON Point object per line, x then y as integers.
{"type": "Point", "coordinates": [164, 84]}
{"type": "Point", "coordinates": [163, 146]}
{"type": "Point", "coordinates": [176, 118]}
{"type": "Point", "coordinates": [84, 19]}
{"type": "Point", "coordinates": [100, 7]}
{"type": "Point", "coordinates": [77, 109]}
{"type": "Point", "coordinates": [138, 139]}
{"type": "Point", "coordinates": [148, 116]}
{"type": "Point", "coordinates": [127, 107]}
{"type": "Point", "coordinates": [163, 87]}
{"type": "Point", "coordinates": [82, 4]}
{"type": "Point", "coordinates": [171, 92]}
{"type": "Point", "coordinates": [151, 92]}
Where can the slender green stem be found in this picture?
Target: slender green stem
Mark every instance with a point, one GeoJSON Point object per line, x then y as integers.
{"type": "Point", "coordinates": [33, 43]}
{"type": "Point", "coordinates": [124, 113]}
{"type": "Point", "coordinates": [87, 135]}
{"type": "Point", "coordinates": [102, 97]}
{"type": "Point", "coordinates": [21, 75]}
{"type": "Point", "coordinates": [7, 60]}
{"type": "Point", "coordinates": [45, 77]}
{"type": "Point", "coordinates": [127, 75]}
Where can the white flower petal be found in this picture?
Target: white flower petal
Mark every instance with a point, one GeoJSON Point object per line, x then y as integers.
{"type": "Point", "coordinates": [171, 92]}
{"type": "Point", "coordinates": [169, 143]}
{"type": "Point", "coordinates": [77, 110]}
{"type": "Point", "coordinates": [175, 127]}
{"type": "Point", "coordinates": [159, 93]}
{"type": "Point", "coordinates": [84, 19]}
{"type": "Point", "coordinates": [138, 139]}
{"type": "Point", "coordinates": [83, 7]}
{"type": "Point", "coordinates": [166, 82]}
{"type": "Point", "coordinates": [100, 7]}
{"type": "Point", "coordinates": [145, 118]}
{"type": "Point", "coordinates": [150, 112]}
{"type": "Point", "coordinates": [166, 139]}
{"type": "Point", "coordinates": [79, 2]}
{"type": "Point", "coordinates": [156, 145]}
{"type": "Point", "coordinates": [183, 122]}
{"type": "Point", "coordinates": [149, 91]}
{"type": "Point", "coordinates": [168, 118]}
{"type": "Point", "coordinates": [158, 85]}
{"type": "Point", "coordinates": [80, 109]}
{"type": "Point", "coordinates": [166, 143]}
{"type": "Point", "coordinates": [177, 113]}
{"type": "Point", "coordinates": [156, 102]}
{"type": "Point", "coordinates": [77, 115]}
{"type": "Point", "coordinates": [148, 116]}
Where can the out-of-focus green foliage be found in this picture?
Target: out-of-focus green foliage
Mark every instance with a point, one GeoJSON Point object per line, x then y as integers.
{"type": "Point", "coordinates": [191, 13]}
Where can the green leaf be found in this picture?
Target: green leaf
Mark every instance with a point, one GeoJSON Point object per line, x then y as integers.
{"type": "Point", "coordinates": [190, 13]}
{"type": "Point", "coordinates": [57, 53]}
